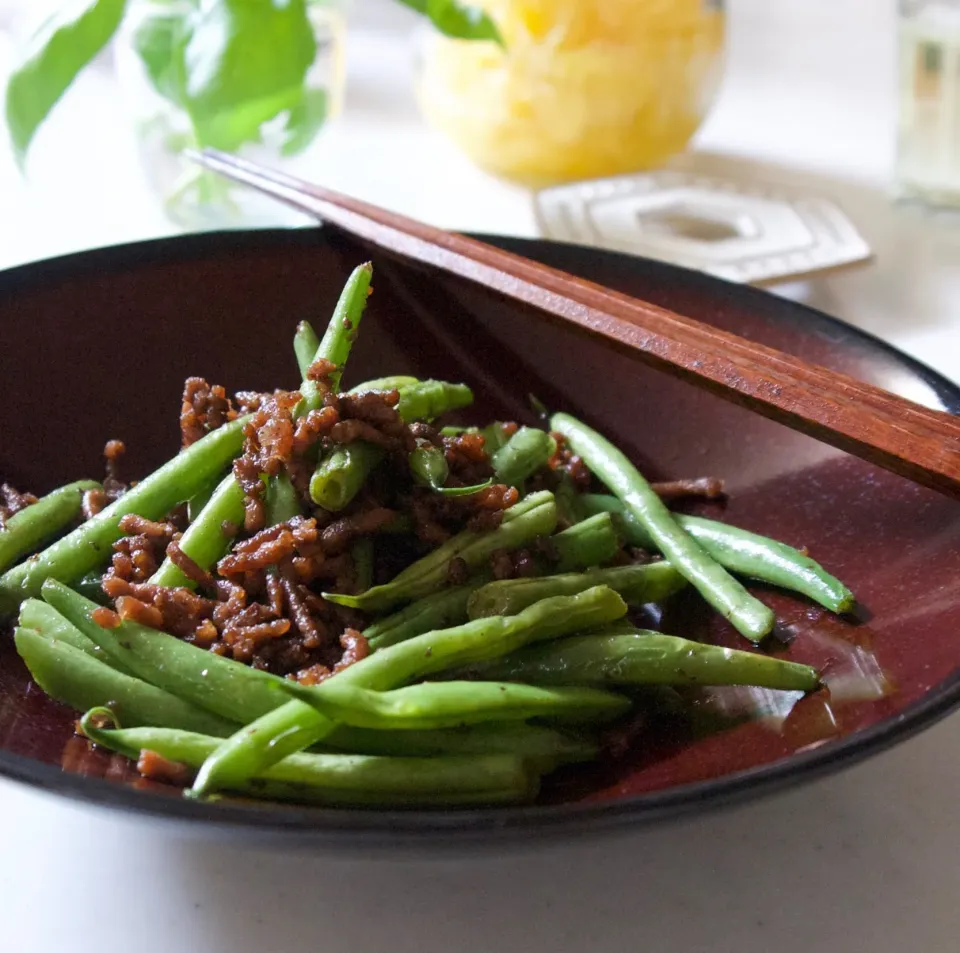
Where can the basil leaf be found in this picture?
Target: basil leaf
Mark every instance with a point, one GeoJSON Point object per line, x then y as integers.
{"type": "Point", "coordinates": [66, 43]}
{"type": "Point", "coordinates": [160, 41]}
{"type": "Point", "coordinates": [246, 62]}
{"type": "Point", "coordinates": [458, 20]}
{"type": "Point", "coordinates": [304, 121]}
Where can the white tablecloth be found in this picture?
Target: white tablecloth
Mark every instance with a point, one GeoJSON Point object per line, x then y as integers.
{"type": "Point", "coordinates": [863, 861]}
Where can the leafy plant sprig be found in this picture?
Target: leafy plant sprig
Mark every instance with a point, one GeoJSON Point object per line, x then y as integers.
{"type": "Point", "coordinates": [230, 65]}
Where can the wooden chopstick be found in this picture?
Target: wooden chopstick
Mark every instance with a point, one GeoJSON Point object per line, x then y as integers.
{"type": "Point", "coordinates": [866, 421]}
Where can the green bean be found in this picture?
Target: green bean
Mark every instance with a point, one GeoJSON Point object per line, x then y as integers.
{"type": "Point", "coordinates": [522, 455]}
{"type": "Point", "coordinates": [623, 655]}
{"type": "Point", "coordinates": [40, 521]}
{"type": "Point", "coordinates": [452, 704]}
{"type": "Point", "coordinates": [204, 540]}
{"type": "Point", "coordinates": [494, 436]}
{"type": "Point", "coordinates": [545, 747]}
{"type": "Point", "coordinates": [43, 618]}
{"type": "Point", "coordinates": [90, 544]}
{"type": "Point", "coordinates": [569, 509]}
{"type": "Point", "coordinates": [340, 778]}
{"type": "Point", "coordinates": [198, 501]}
{"type": "Point", "coordinates": [428, 399]}
{"type": "Point", "coordinates": [742, 552]}
{"type": "Point", "coordinates": [339, 337]}
{"type": "Point", "coordinates": [91, 586]}
{"type": "Point", "coordinates": [361, 552]}
{"type": "Point", "coordinates": [282, 502]}
{"type": "Point", "coordinates": [305, 345]}
{"type": "Point", "coordinates": [747, 614]}
{"type": "Point", "coordinates": [585, 544]}
{"type": "Point", "coordinates": [637, 585]}
{"type": "Point", "coordinates": [73, 677]}
{"type": "Point", "coordinates": [437, 611]}
{"type": "Point", "coordinates": [533, 516]}
{"type": "Point", "coordinates": [225, 687]}
{"type": "Point", "coordinates": [296, 725]}
{"type": "Point", "coordinates": [385, 383]}
{"type": "Point", "coordinates": [340, 475]}
{"type": "Point", "coordinates": [429, 468]}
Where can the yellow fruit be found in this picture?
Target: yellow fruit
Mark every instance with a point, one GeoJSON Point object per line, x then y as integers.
{"type": "Point", "coordinates": [582, 89]}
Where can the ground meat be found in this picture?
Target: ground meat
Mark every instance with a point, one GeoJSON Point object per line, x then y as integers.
{"type": "Point", "coordinates": [708, 488]}
{"type": "Point", "coordinates": [566, 461]}
{"type": "Point", "coordinates": [157, 768]}
{"type": "Point", "coordinates": [204, 408]}
{"type": "Point", "coordinates": [12, 501]}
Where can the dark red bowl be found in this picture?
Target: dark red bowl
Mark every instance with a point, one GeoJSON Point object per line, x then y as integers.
{"type": "Point", "coordinates": [97, 345]}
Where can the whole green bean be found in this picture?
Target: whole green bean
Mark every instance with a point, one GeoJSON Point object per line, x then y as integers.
{"type": "Point", "coordinates": [428, 399]}
{"type": "Point", "coordinates": [340, 778]}
{"type": "Point", "coordinates": [747, 614]}
{"type": "Point", "coordinates": [43, 618]}
{"type": "Point", "coordinates": [623, 655]}
{"type": "Point", "coordinates": [533, 516]}
{"type": "Point", "coordinates": [437, 611]}
{"type": "Point", "coordinates": [452, 704]}
{"type": "Point", "coordinates": [204, 540]}
{"type": "Point", "coordinates": [339, 336]}
{"type": "Point", "coordinates": [397, 382]}
{"type": "Point", "coordinates": [198, 501]}
{"type": "Point", "coordinates": [73, 677]}
{"type": "Point", "coordinates": [494, 436]}
{"type": "Point", "coordinates": [569, 509]}
{"type": "Point", "coordinates": [522, 455]}
{"type": "Point", "coordinates": [341, 473]}
{"type": "Point", "coordinates": [305, 345]}
{"type": "Point", "coordinates": [545, 747]}
{"type": "Point", "coordinates": [221, 685]}
{"type": "Point", "coordinates": [636, 584]}
{"type": "Point", "coordinates": [296, 725]}
{"type": "Point", "coordinates": [742, 552]}
{"type": "Point", "coordinates": [89, 546]}
{"type": "Point", "coordinates": [41, 521]}
{"type": "Point", "coordinates": [586, 544]}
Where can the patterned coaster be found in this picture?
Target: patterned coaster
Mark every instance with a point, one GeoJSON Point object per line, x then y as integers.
{"type": "Point", "coordinates": [748, 231]}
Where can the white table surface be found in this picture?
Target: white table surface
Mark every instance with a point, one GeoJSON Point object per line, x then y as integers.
{"type": "Point", "coordinates": [863, 861]}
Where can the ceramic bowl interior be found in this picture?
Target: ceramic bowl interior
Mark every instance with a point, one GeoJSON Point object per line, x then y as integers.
{"type": "Point", "coordinates": [97, 345]}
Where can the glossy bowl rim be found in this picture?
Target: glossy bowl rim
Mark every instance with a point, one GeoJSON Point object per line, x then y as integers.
{"type": "Point", "coordinates": [390, 829]}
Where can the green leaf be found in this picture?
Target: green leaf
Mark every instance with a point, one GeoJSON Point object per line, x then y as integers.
{"type": "Point", "coordinates": [461, 21]}
{"type": "Point", "coordinates": [246, 61]}
{"type": "Point", "coordinates": [160, 41]}
{"type": "Point", "coordinates": [304, 121]}
{"type": "Point", "coordinates": [61, 48]}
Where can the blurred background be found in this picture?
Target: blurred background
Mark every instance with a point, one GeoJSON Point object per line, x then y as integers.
{"type": "Point", "coordinates": [812, 147]}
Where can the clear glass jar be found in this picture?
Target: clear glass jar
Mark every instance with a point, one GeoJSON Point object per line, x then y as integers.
{"type": "Point", "coordinates": [581, 90]}
{"type": "Point", "coordinates": [195, 199]}
{"type": "Point", "coordinates": [928, 139]}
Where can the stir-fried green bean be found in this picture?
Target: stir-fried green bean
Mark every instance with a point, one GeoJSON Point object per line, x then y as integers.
{"type": "Point", "coordinates": [622, 655]}
{"type": "Point", "coordinates": [305, 346]}
{"type": "Point", "coordinates": [748, 614]}
{"type": "Point", "coordinates": [437, 611]}
{"type": "Point", "coordinates": [522, 455]}
{"type": "Point", "coordinates": [75, 678]}
{"type": "Point", "coordinates": [742, 552]}
{"type": "Point", "coordinates": [340, 475]}
{"type": "Point", "coordinates": [339, 336]}
{"type": "Point", "coordinates": [361, 552]}
{"type": "Point", "coordinates": [205, 540]}
{"type": "Point", "coordinates": [452, 704]}
{"type": "Point", "coordinates": [533, 516]}
{"type": "Point", "coordinates": [588, 543]}
{"type": "Point", "coordinates": [296, 725]}
{"type": "Point", "coordinates": [636, 584]}
{"type": "Point", "coordinates": [429, 468]}
{"type": "Point", "coordinates": [340, 778]}
{"type": "Point", "coordinates": [89, 545]}
{"type": "Point", "coordinates": [35, 524]}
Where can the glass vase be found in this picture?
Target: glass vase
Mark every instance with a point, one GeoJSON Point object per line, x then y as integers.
{"type": "Point", "coordinates": [192, 198]}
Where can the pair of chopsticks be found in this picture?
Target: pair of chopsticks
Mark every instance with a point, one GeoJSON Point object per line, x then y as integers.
{"type": "Point", "coordinates": [920, 444]}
